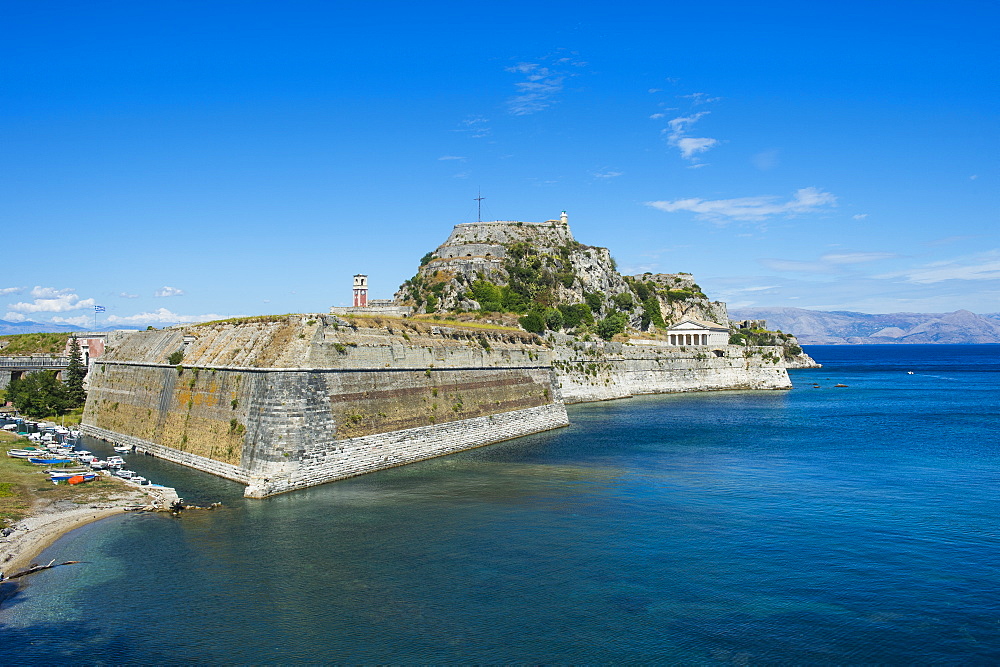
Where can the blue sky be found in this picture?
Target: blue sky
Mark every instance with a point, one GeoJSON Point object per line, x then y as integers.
{"type": "Point", "coordinates": [192, 160]}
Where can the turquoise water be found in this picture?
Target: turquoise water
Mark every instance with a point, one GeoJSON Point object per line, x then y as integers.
{"type": "Point", "coordinates": [820, 525]}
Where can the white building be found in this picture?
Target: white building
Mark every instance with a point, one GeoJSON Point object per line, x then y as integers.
{"type": "Point", "coordinates": [697, 332]}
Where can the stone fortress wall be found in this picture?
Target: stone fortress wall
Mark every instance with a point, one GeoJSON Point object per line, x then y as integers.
{"type": "Point", "coordinates": [599, 371]}
{"type": "Point", "coordinates": [298, 401]}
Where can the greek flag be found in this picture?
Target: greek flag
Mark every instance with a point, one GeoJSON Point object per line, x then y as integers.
{"type": "Point", "coordinates": [98, 309]}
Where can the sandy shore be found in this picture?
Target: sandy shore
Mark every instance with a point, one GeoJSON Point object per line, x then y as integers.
{"type": "Point", "coordinates": [48, 523]}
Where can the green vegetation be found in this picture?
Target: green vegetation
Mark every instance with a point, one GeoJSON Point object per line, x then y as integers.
{"type": "Point", "coordinates": [75, 373]}
{"type": "Point", "coordinates": [533, 322]}
{"type": "Point", "coordinates": [256, 319]}
{"type": "Point", "coordinates": [576, 315]}
{"type": "Point", "coordinates": [34, 343]}
{"type": "Point", "coordinates": [611, 325]}
{"type": "Point", "coordinates": [175, 357]}
{"type": "Point", "coordinates": [41, 394]}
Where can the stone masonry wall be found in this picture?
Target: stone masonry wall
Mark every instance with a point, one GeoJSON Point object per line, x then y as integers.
{"type": "Point", "coordinates": [282, 428]}
{"type": "Point", "coordinates": [597, 371]}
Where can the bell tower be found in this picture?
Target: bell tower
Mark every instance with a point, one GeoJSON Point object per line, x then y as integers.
{"type": "Point", "coordinates": [360, 291]}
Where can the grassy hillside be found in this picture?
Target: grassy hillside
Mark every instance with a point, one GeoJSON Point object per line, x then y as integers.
{"type": "Point", "coordinates": [33, 343]}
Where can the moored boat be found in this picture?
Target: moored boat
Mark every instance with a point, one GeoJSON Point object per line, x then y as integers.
{"type": "Point", "coordinates": [25, 453]}
{"type": "Point", "coordinates": [68, 476]}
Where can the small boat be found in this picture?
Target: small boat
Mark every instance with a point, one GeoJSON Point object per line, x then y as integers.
{"type": "Point", "coordinates": [125, 474]}
{"type": "Point", "coordinates": [139, 479]}
{"type": "Point", "coordinates": [68, 476]}
{"type": "Point", "coordinates": [26, 452]}
{"type": "Point", "coordinates": [50, 462]}
{"type": "Point", "coordinates": [97, 464]}
{"type": "Point", "coordinates": [123, 449]}
{"type": "Point", "coordinates": [115, 462]}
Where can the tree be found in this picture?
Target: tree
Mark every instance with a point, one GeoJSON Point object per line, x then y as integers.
{"type": "Point", "coordinates": [533, 322]}
{"type": "Point", "coordinates": [610, 325]}
{"type": "Point", "coordinates": [75, 373]}
{"type": "Point", "coordinates": [553, 319]}
{"type": "Point", "coordinates": [39, 394]}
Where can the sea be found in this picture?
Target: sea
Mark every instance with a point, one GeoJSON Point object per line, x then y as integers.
{"type": "Point", "coordinates": [851, 520]}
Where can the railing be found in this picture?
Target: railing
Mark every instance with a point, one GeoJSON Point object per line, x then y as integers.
{"type": "Point", "coordinates": [34, 362]}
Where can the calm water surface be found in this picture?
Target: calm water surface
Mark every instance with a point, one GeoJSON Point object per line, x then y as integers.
{"type": "Point", "coordinates": [836, 525]}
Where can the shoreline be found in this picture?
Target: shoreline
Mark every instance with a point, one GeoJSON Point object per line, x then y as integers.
{"type": "Point", "coordinates": [37, 532]}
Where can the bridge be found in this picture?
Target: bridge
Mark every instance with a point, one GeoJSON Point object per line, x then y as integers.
{"type": "Point", "coordinates": [12, 368]}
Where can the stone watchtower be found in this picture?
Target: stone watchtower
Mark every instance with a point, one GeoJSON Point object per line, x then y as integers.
{"type": "Point", "coordinates": [360, 291]}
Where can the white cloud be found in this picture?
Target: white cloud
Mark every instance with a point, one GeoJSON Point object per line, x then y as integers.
{"type": "Point", "coordinates": [984, 266]}
{"type": "Point", "coordinates": [973, 177]}
{"type": "Point", "coordinates": [657, 116]}
{"type": "Point", "coordinates": [537, 92]}
{"type": "Point", "coordinates": [79, 320]}
{"type": "Point", "coordinates": [10, 290]}
{"type": "Point", "coordinates": [451, 157]}
{"type": "Point", "coordinates": [860, 216]}
{"type": "Point", "coordinates": [700, 98]}
{"type": "Point", "coordinates": [691, 146]}
{"type": "Point", "coordinates": [126, 295]}
{"type": "Point", "coordinates": [829, 263]}
{"type": "Point", "coordinates": [677, 136]}
{"type": "Point", "coordinates": [52, 300]}
{"type": "Point", "coordinates": [540, 86]}
{"type": "Point", "coordinates": [606, 174]}
{"type": "Point", "coordinates": [161, 316]}
{"type": "Point", "coordinates": [475, 126]}
{"type": "Point", "coordinates": [168, 291]}
{"type": "Point", "coordinates": [856, 257]}
{"type": "Point", "coordinates": [760, 288]}
{"type": "Point", "coordinates": [805, 200]}
{"type": "Point", "coordinates": [795, 266]}
{"type": "Point", "coordinates": [15, 317]}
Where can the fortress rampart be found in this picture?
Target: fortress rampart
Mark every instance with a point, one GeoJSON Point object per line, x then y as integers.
{"type": "Point", "coordinates": [363, 398]}
{"type": "Point", "coordinates": [598, 371]}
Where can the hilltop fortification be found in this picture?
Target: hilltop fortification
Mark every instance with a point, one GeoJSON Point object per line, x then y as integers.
{"type": "Point", "coordinates": [539, 267]}
{"type": "Point", "coordinates": [574, 294]}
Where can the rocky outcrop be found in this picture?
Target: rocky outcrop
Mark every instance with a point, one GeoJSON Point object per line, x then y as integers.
{"type": "Point", "coordinates": [524, 266]}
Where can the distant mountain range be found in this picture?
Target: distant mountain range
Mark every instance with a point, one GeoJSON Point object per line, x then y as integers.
{"type": "Point", "coordinates": [8, 328]}
{"type": "Point", "coordinates": [845, 327]}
